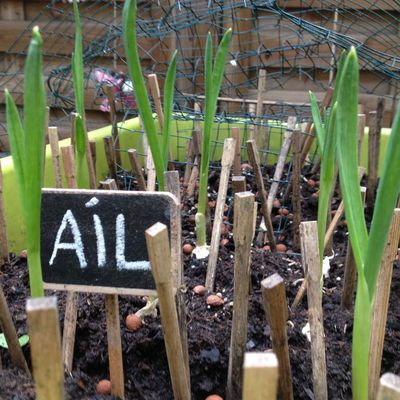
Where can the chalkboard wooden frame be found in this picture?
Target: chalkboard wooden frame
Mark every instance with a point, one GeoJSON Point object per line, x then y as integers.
{"type": "Point", "coordinates": [156, 203]}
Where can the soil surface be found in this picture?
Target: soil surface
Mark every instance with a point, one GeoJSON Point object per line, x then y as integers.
{"type": "Point", "coordinates": [209, 328]}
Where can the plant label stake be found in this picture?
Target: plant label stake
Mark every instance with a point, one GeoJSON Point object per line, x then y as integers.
{"type": "Point", "coordinates": [44, 333]}
{"type": "Point", "coordinates": [243, 235]}
{"type": "Point", "coordinates": [226, 163]}
{"type": "Point", "coordinates": [160, 258]}
{"type": "Point", "coordinates": [275, 306]}
{"type": "Point", "coordinates": [310, 255]}
{"type": "Point", "coordinates": [260, 376]}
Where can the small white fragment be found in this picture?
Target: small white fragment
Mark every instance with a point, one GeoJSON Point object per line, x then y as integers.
{"type": "Point", "coordinates": [326, 266]}
{"type": "Point", "coordinates": [92, 202]}
{"type": "Point", "coordinates": [201, 252]}
{"type": "Point", "coordinates": [338, 278]}
{"type": "Point", "coordinates": [233, 63]}
{"type": "Point", "coordinates": [306, 331]}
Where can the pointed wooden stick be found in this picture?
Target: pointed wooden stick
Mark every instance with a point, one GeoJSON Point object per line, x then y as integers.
{"type": "Point", "coordinates": [110, 156]}
{"type": "Point", "coordinates": [310, 255]}
{"type": "Point", "coordinates": [160, 259]}
{"type": "Point", "coordinates": [260, 376]}
{"type": "Point", "coordinates": [8, 328]}
{"type": "Point", "coordinates": [243, 236]}
{"type": "Point", "coordinates": [381, 305]}
{"type": "Point", "coordinates": [45, 342]}
{"type": "Point", "coordinates": [235, 133]}
{"type": "Point", "coordinates": [109, 91]}
{"type": "Point", "coordinates": [3, 228]}
{"type": "Point", "coordinates": [261, 132]}
{"type": "Point", "coordinates": [296, 193]}
{"type": "Point", "coordinates": [68, 158]}
{"type": "Point", "coordinates": [226, 163]}
{"type": "Point", "coordinates": [55, 155]}
{"type": "Point", "coordinates": [287, 141]}
{"type": "Point", "coordinates": [137, 169]}
{"type": "Point", "coordinates": [389, 387]}
{"type": "Point", "coordinates": [239, 184]}
{"type": "Point", "coordinates": [275, 306]}
{"type": "Point", "coordinates": [254, 160]}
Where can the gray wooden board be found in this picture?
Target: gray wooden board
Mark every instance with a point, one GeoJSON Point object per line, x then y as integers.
{"type": "Point", "coordinates": [94, 240]}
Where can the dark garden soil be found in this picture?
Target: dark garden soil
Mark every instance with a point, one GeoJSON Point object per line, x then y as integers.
{"type": "Point", "coordinates": [146, 370]}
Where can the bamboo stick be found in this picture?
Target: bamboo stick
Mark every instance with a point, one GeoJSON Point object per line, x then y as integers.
{"type": "Point", "coordinates": [260, 379]}
{"type": "Point", "coordinates": [3, 227]}
{"type": "Point", "coordinates": [389, 387]}
{"type": "Point", "coordinates": [374, 140]}
{"type": "Point", "coordinates": [296, 197]}
{"type": "Point", "coordinates": [137, 169]}
{"type": "Point", "coordinates": [381, 305]}
{"type": "Point", "coordinates": [160, 259]}
{"type": "Point", "coordinates": [291, 123]}
{"type": "Point", "coordinates": [243, 235]}
{"type": "Point", "coordinates": [110, 156]}
{"type": "Point", "coordinates": [311, 259]}
{"type": "Point", "coordinates": [45, 343]}
{"type": "Point", "coordinates": [55, 155]}
{"type": "Point", "coordinates": [226, 163]}
{"type": "Point", "coordinates": [8, 328]}
{"type": "Point", "coordinates": [109, 91]}
{"type": "Point", "coordinates": [261, 132]}
{"type": "Point", "coordinates": [235, 133]}
{"type": "Point", "coordinates": [239, 184]}
{"type": "Point", "coordinates": [254, 160]}
{"type": "Point", "coordinates": [275, 306]}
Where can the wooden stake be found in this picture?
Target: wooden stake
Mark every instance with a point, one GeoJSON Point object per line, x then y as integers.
{"type": "Point", "coordinates": [243, 236]}
{"type": "Point", "coordinates": [374, 140]}
{"type": "Point", "coordinates": [296, 198]}
{"type": "Point", "coordinates": [196, 145]}
{"type": "Point", "coordinates": [189, 160]}
{"type": "Point", "coordinates": [92, 145]}
{"type": "Point", "coordinates": [276, 311]}
{"type": "Point", "coordinates": [115, 361]}
{"type": "Point", "coordinates": [349, 278]}
{"type": "Point", "coordinates": [109, 91]}
{"type": "Point", "coordinates": [45, 342]}
{"type": "Point", "coordinates": [71, 305]}
{"type": "Point", "coordinates": [89, 160]}
{"type": "Point", "coordinates": [137, 169]}
{"type": "Point", "coordinates": [389, 387]}
{"type": "Point", "coordinates": [235, 133]}
{"type": "Point", "coordinates": [72, 128]}
{"type": "Point", "coordinates": [110, 156]}
{"type": "Point", "coordinates": [381, 305]}
{"type": "Point", "coordinates": [251, 127]}
{"type": "Point", "coordinates": [260, 376]}
{"type": "Point", "coordinates": [172, 185]}
{"type": "Point", "coordinates": [55, 155]}
{"type": "Point", "coordinates": [261, 132]}
{"type": "Point", "coordinates": [8, 328]}
{"type": "Point", "coordinates": [361, 130]}
{"type": "Point", "coordinates": [3, 228]}
{"type": "Point", "coordinates": [254, 160]}
{"type": "Point", "coordinates": [281, 160]}
{"type": "Point", "coordinates": [68, 156]}
{"type": "Point", "coordinates": [226, 163]}
{"type": "Point", "coordinates": [160, 259]}
{"type": "Point", "coordinates": [239, 184]}
{"type": "Point", "coordinates": [311, 260]}
{"type": "Point", "coordinates": [155, 92]}
{"type": "Point", "coordinates": [151, 172]}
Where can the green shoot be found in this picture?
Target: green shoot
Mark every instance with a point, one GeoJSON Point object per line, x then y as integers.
{"type": "Point", "coordinates": [135, 71]}
{"type": "Point", "coordinates": [368, 249]}
{"type": "Point", "coordinates": [78, 82]}
{"type": "Point", "coordinates": [214, 73]}
{"type": "Point", "coordinates": [168, 106]}
{"type": "Point", "coordinates": [27, 143]}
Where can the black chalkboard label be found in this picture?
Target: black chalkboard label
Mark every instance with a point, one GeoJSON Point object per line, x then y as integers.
{"type": "Point", "coordinates": [94, 240]}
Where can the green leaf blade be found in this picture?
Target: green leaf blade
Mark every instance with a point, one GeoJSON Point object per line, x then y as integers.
{"type": "Point", "coordinates": [142, 99]}
{"type": "Point", "coordinates": [319, 128]}
{"type": "Point", "coordinates": [347, 153]}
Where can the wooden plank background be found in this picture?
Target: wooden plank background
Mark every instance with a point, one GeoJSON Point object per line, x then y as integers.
{"type": "Point", "coordinates": [261, 39]}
